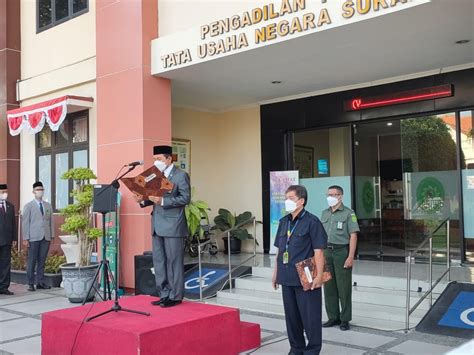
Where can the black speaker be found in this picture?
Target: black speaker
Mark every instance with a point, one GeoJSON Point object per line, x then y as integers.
{"type": "Point", "coordinates": [105, 198]}
{"type": "Point", "coordinates": [144, 278]}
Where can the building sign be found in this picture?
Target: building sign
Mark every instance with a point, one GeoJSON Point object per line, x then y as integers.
{"type": "Point", "coordinates": [269, 23]}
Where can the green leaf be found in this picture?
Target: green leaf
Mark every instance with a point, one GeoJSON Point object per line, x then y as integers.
{"type": "Point", "coordinates": [243, 217]}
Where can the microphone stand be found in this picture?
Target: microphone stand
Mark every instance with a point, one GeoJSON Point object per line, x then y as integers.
{"type": "Point", "coordinates": [108, 275]}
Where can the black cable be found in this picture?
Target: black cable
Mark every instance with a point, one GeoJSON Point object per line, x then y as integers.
{"type": "Point", "coordinates": [82, 323]}
{"type": "Point", "coordinates": [264, 345]}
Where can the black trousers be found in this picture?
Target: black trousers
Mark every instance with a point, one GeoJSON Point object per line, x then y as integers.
{"type": "Point", "coordinates": [5, 265]}
{"type": "Point", "coordinates": [37, 253]}
{"type": "Point", "coordinates": [303, 316]}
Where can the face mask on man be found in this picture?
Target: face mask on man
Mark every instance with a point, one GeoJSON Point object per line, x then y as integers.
{"type": "Point", "coordinates": [290, 206]}
{"type": "Point", "coordinates": [160, 165]}
{"type": "Point", "coordinates": [4, 196]}
{"type": "Point", "coordinates": [38, 194]}
{"type": "Point", "coordinates": [332, 201]}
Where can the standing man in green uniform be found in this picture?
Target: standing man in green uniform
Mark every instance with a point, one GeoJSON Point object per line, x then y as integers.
{"type": "Point", "coordinates": [341, 227]}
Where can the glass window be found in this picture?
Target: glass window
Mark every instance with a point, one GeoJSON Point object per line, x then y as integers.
{"type": "Point", "coordinates": [79, 5]}
{"type": "Point", "coordinates": [44, 13]}
{"type": "Point", "coordinates": [54, 12]}
{"type": "Point", "coordinates": [62, 135]}
{"type": "Point", "coordinates": [62, 186]}
{"type": "Point", "coordinates": [44, 175]}
{"type": "Point", "coordinates": [322, 158]}
{"type": "Point", "coordinates": [80, 159]}
{"type": "Point", "coordinates": [44, 137]}
{"type": "Point", "coordinates": [79, 130]}
{"type": "Point", "coordinates": [56, 153]}
{"type": "Point", "coordinates": [467, 166]}
{"type": "Point", "coordinates": [62, 9]}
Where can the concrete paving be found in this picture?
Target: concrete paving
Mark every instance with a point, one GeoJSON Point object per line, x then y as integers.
{"type": "Point", "coordinates": [20, 330]}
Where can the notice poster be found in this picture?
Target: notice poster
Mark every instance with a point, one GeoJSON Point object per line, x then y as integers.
{"type": "Point", "coordinates": [279, 182]}
{"type": "Point", "coordinates": [182, 154]}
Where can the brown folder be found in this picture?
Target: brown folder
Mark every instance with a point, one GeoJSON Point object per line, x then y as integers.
{"type": "Point", "coordinates": [152, 182]}
{"type": "Point", "coordinates": [307, 273]}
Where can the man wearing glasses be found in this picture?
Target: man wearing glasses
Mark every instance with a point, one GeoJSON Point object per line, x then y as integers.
{"type": "Point", "coordinates": [37, 223]}
{"type": "Point", "coordinates": [341, 227]}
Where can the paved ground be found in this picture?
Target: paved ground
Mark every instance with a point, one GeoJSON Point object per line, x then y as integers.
{"type": "Point", "coordinates": [20, 330]}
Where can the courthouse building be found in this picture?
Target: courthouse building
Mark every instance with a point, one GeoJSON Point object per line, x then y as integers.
{"type": "Point", "coordinates": [374, 95]}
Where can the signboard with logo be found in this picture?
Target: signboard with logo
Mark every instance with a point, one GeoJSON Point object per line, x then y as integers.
{"type": "Point", "coordinates": [431, 195]}
{"type": "Point", "coordinates": [279, 182]}
{"type": "Point", "coordinates": [367, 196]}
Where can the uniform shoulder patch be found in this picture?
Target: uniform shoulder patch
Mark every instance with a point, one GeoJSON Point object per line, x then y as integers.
{"type": "Point", "coordinates": [354, 217]}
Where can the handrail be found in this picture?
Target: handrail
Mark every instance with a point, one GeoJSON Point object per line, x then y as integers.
{"type": "Point", "coordinates": [228, 231]}
{"type": "Point", "coordinates": [408, 310]}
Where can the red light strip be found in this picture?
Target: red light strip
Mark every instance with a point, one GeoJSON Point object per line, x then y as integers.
{"type": "Point", "coordinates": [399, 98]}
{"type": "Point", "coordinates": [404, 99]}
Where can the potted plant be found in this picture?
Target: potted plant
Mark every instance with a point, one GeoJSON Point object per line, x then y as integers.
{"type": "Point", "coordinates": [79, 277]}
{"type": "Point", "coordinates": [225, 220]}
{"type": "Point", "coordinates": [52, 272]}
{"type": "Point", "coordinates": [196, 211]}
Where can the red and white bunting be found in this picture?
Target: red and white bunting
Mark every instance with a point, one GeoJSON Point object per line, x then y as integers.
{"type": "Point", "coordinates": [33, 117]}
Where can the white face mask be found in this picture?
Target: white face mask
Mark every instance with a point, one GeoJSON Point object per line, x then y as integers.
{"type": "Point", "coordinates": [290, 206]}
{"type": "Point", "coordinates": [39, 194]}
{"type": "Point", "coordinates": [4, 196]}
{"type": "Point", "coordinates": [160, 165]}
{"type": "Point", "coordinates": [332, 201]}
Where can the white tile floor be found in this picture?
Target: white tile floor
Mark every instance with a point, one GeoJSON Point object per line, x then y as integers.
{"type": "Point", "coordinates": [411, 347]}
{"type": "Point", "coordinates": [18, 328]}
{"type": "Point", "coordinates": [20, 324]}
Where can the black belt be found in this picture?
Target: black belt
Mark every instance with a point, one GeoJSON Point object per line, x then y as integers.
{"type": "Point", "coordinates": [337, 246]}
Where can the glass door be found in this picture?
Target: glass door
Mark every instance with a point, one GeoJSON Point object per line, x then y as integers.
{"type": "Point", "coordinates": [378, 180]}
{"type": "Point", "coordinates": [431, 180]}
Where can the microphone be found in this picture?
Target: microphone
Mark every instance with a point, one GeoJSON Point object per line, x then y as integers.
{"type": "Point", "coordinates": [135, 163]}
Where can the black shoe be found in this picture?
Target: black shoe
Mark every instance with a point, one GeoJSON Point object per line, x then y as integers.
{"type": "Point", "coordinates": [345, 326]}
{"type": "Point", "coordinates": [6, 292]}
{"type": "Point", "coordinates": [331, 323]}
{"type": "Point", "coordinates": [31, 288]}
{"type": "Point", "coordinates": [43, 286]}
{"type": "Point", "coordinates": [169, 303]}
{"type": "Point", "coordinates": [160, 302]}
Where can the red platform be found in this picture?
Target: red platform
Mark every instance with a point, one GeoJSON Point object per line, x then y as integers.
{"type": "Point", "coordinates": [189, 328]}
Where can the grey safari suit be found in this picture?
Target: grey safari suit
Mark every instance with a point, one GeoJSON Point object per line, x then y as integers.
{"type": "Point", "coordinates": [168, 230]}
{"type": "Point", "coordinates": [38, 230]}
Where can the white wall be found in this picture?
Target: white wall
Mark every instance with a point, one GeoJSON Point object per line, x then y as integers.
{"type": "Point", "coordinates": [225, 159]}
{"type": "Point", "coordinates": [62, 45]}
{"type": "Point", "coordinates": [179, 15]}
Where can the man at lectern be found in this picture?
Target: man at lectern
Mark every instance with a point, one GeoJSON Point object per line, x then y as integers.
{"type": "Point", "coordinates": [169, 229]}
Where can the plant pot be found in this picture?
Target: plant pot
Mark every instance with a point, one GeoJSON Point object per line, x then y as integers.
{"type": "Point", "coordinates": [235, 245]}
{"type": "Point", "coordinates": [19, 277]}
{"type": "Point", "coordinates": [78, 281]}
{"type": "Point", "coordinates": [71, 248]}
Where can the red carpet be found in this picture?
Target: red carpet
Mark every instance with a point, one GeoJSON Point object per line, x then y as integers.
{"type": "Point", "coordinates": [189, 328]}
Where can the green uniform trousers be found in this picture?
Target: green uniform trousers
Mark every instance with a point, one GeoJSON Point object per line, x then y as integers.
{"type": "Point", "coordinates": [339, 288]}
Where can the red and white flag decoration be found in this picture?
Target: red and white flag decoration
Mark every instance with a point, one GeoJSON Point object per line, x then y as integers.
{"type": "Point", "coordinates": [53, 112]}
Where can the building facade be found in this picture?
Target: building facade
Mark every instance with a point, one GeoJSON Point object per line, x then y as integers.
{"type": "Point", "coordinates": [245, 88]}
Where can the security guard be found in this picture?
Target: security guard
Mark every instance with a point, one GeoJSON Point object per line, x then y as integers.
{"type": "Point", "coordinates": [300, 236]}
{"type": "Point", "coordinates": [341, 227]}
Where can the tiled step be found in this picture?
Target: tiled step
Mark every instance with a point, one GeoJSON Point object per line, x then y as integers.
{"type": "Point", "coordinates": [359, 294]}
{"type": "Point", "coordinates": [387, 282]}
{"type": "Point", "coordinates": [253, 300]}
{"type": "Point", "coordinates": [273, 309]}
